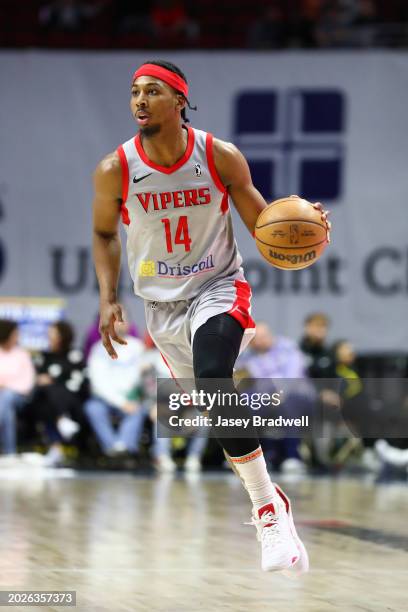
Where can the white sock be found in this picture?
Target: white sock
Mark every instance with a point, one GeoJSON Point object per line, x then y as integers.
{"type": "Point", "coordinates": [252, 470]}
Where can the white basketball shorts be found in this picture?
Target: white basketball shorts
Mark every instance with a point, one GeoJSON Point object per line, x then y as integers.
{"type": "Point", "coordinates": [172, 325]}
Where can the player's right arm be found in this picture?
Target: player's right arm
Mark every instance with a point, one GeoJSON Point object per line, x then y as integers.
{"type": "Point", "coordinates": [107, 246]}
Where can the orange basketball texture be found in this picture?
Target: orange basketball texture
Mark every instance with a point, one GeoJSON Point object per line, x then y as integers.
{"type": "Point", "coordinates": [290, 233]}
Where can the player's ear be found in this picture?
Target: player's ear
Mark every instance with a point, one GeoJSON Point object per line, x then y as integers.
{"type": "Point", "coordinates": [180, 102]}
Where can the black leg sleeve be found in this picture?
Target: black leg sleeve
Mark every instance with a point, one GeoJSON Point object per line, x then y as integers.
{"type": "Point", "coordinates": [215, 350]}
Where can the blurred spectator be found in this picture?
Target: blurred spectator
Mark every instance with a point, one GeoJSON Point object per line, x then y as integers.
{"type": "Point", "coordinates": [16, 381]}
{"type": "Point", "coordinates": [170, 20]}
{"type": "Point", "coordinates": [365, 24]}
{"type": "Point", "coordinates": [61, 389]}
{"type": "Point", "coordinates": [92, 336]}
{"type": "Point", "coordinates": [153, 368]}
{"type": "Point", "coordinates": [301, 23]}
{"type": "Point", "coordinates": [68, 15]}
{"type": "Point", "coordinates": [112, 384]}
{"type": "Point", "coordinates": [393, 452]}
{"type": "Point", "coordinates": [131, 16]}
{"type": "Point", "coordinates": [270, 30]}
{"type": "Point", "coordinates": [359, 415]}
{"type": "Point", "coordinates": [321, 367]}
{"type": "Point", "coordinates": [344, 359]}
{"type": "Point", "coordinates": [319, 357]}
{"type": "Point", "coordinates": [333, 25]}
{"type": "Point", "coordinates": [275, 357]}
{"type": "Point", "coordinates": [272, 356]}
{"type": "Point", "coordinates": [176, 23]}
{"type": "Point", "coordinates": [355, 413]}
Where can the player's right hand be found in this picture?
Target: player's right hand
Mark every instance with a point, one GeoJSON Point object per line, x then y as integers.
{"type": "Point", "coordinates": [108, 315]}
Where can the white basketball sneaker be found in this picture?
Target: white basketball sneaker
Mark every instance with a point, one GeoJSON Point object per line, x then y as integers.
{"type": "Point", "coordinates": [282, 549]}
{"type": "Point", "coordinates": [301, 566]}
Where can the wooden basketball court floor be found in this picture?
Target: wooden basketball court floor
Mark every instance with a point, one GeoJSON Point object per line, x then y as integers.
{"type": "Point", "coordinates": [126, 543]}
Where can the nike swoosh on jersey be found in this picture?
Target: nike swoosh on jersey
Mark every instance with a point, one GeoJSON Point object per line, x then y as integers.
{"type": "Point", "coordinates": [137, 180]}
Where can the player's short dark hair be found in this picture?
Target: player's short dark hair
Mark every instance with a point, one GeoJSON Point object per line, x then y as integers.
{"type": "Point", "coordinates": [173, 68]}
{"type": "Point", "coordinates": [66, 334]}
{"type": "Point", "coordinates": [7, 327]}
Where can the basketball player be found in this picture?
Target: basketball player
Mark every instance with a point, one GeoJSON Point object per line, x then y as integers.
{"type": "Point", "coordinates": [173, 186]}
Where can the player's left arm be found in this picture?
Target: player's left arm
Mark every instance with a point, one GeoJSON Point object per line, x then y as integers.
{"type": "Point", "coordinates": [233, 170]}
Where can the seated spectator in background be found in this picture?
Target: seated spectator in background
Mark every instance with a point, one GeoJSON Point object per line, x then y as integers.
{"type": "Point", "coordinates": [60, 391]}
{"type": "Point", "coordinates": [355, 414]}
{"type": "Point", "coordinates": [276, 357]}
{"type": "Point", "coordinates": [333, 25]}
{"type": "Point", "coordinates": [16, 381]}
{"type": "Point", "coordinates": [365, 24]}
{"type": "Point", "coordinates": [393, 452]}
{"type": "Point", "coordinates": [345, 368]}
{"type": "Point", "coordinates": [92, 335]}
{"type": "Point", "coordinates": [270, 31]}
{"type": "Point", "coordinates": [154, 367]}
{"type": "Point", "coordinates": [68, 15]}
{"type": "Point", "coordinates": [112, 384]}
{"type": "Point", "coordinates": [359, 415]}
{"type": "Point", "coordinates": [301, 23]}
{"type": "Point", "coordinates": [272, 356]}
{"type": "Point", "coordinates": [320, 366]}
{"type": "Point", "coordinates": [170, 19]}
{"type": "Point", "coordinates": [319, 357]}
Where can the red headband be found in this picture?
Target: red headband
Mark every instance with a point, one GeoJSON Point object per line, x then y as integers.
{"type": "Point", "coordinates": [169, 77]}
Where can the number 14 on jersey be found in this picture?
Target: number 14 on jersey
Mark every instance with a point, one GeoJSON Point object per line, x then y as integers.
{"type": "Point", "coordinates": [181, 235]}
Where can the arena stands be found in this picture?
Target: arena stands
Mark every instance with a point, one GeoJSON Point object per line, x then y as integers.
{"type": "Point", "coordinates": [204, 24]}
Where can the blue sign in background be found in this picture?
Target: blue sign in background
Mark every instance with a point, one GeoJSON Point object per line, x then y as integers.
{"type": "Point", "coordinates": [293, 140]}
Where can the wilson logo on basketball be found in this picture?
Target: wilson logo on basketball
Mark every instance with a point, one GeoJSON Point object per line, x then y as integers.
{"type": "Point", "coordinates": [293, 259]}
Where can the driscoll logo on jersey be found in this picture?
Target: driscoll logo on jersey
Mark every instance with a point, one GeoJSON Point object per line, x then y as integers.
{"type": "Point", "coordinates": [147, 268]}
{"type": "Point", "coordinates": [163, 269]}
{"type": "Point", "coordinates": [174, 199]}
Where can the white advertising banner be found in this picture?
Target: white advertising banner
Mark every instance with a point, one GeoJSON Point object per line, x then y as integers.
{"type": "Point", "coordinates": [328, 126]}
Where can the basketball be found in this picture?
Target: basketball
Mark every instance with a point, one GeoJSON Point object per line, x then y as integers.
{"type": "Point", "coordinates": [291, 234]}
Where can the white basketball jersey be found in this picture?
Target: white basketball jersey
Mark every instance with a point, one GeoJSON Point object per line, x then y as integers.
{"type": "Point", "coordinates": [177, 220]}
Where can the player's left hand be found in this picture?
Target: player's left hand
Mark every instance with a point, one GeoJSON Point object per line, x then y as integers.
{"type": "Point", "coordinates": [324, 216]}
